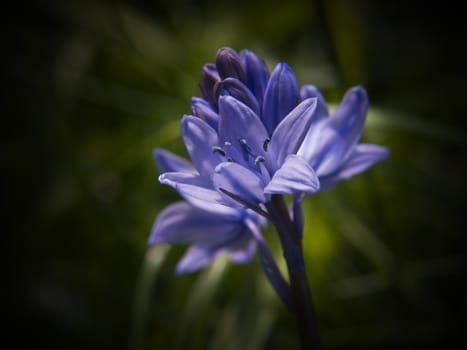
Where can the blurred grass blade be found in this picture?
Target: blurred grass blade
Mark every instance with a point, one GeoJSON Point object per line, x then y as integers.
{"type": "Point", "coordinates": [149, 38]}
{"type": "Point", "coordinates": [358, 234]}
{"type": "Point", "coordinates": [362, 285]}
{"type": "Point", "coordinates": [385, 120]}
{"type": "Point", "coordinates": [152, 264]}
{"type": "Point", "coordinates": [267, 302]}
{"type": "Point", "coordinates": [200, 297]}
{"type": "Point", "coordinates": [246, 321]}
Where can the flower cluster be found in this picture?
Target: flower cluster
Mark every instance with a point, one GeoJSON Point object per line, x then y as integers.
{"type": "Point", "coordinates": [252, 136]}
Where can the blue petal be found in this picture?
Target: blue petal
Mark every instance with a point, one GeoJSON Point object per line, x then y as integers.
{"type": "Point", "coordinates": [235, 88]}
{"type": "Point", "coordinates": [308, 91]}
{"type": "Point", "coordinates": [202, 109]}
{"type": "Point", "coordinates": [201, 255]}
{"type": "Point", "coordinates": [229, 64]}
{"type": "Point", "coordinates": [289, 134]}
{"type": "Point", "coordinates": [184, 223]}
{"type": "Point", "coordinates": [362, 157]}
{"type": "Point", "coordinates": [175, 179]}
{"type": "Point", "coordinates": [280, 97]}
{"type": "Point", "coordinates": [294, 176]}
{"type": "Point", "coordinates": [318, 147]}
{"type": "Point", "coordinates": [237, 122]}
{"type": "Point", "coordinates": [242, 250]}
{"type": "Point", "coordinates": [349, 117]}
{"type": "Point", "coordinates": [257, 74]}
{"type": "Point", "coordinates": [239, 245]}
{"type": "Point", "coordinates": [198, 191]}
{"type": "Point", "coordinates": [168, 162]}
{"type": "Point", "coordinates": [194, 259]}
{"type": "Point", "coordinates": [240, 181]}
{"type": "Point", "coordinates": [330, 141]}
{"type": "Point", "coordinates": [200, 139]}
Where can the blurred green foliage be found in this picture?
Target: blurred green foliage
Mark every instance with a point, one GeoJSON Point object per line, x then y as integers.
{"type": "Point", "coordinates": [93, 86]}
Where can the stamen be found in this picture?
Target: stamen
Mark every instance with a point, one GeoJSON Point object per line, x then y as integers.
{"type": "Point", "coordinates": [217, 149]}
{"type": "Point", "coordinates": [266, 144]}
{"type": "Point", "coordinates": [255, 207]}
{"type": "Point", "coordinates": [245, 149]}
{"type": "Point", "coordinates": [259, 159]}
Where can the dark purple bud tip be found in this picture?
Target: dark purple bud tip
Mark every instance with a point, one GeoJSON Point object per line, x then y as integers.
{"type": "Point", "coordinates": [209, 78]}
{"type": "Point", "coordinates": [229, 64]}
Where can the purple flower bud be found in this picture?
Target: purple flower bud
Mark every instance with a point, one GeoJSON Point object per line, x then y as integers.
{"type": "Point", "coordinates": [280, 97]}
{"type": "Point", "coordinates": [209, 78]}
{"type": "Point", "coordinates": [235, 88]}
{"type": "Point", "coordinates": [257, 74]}
{"type": "Point", "coordinates": [229, 64]}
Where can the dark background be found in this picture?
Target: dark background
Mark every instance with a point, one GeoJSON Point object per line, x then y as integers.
{"type": "Point", "coordinates": [91, 87]}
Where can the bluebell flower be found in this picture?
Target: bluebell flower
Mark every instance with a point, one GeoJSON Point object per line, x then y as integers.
{"type": "Point", "coordinates": [254, 134]}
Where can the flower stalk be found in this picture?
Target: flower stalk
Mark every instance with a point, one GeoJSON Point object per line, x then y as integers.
{"type": "Point", "coordinates": [300, 291]}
